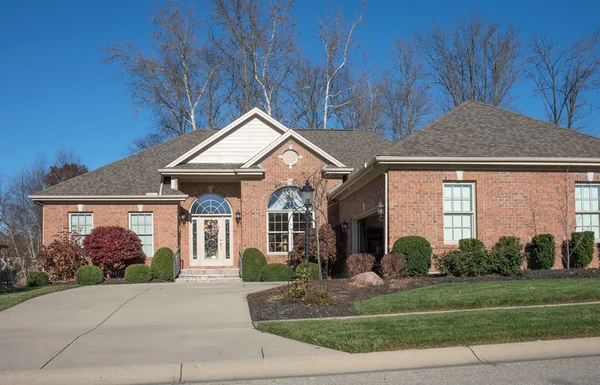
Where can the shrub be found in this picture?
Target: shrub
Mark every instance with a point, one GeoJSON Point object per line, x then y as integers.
{"type": "Point", "coordinates": [359, 263]}
{"type": "Point", "coordinates": [469, 245]}
{"type": "Point", "coordinates": [89, 275]}
{"type": "Point", "coordinates": [465, 263]}
{"type": "Point", "coordinates": [582, 246]}
{"type": "Point", "coordinates": [312, 269]}
{"type": "Point", "coordinates": [327, 246]}
{"type": "Point", "coordinates": [253, 260]}
{"type": "Point", "coordinates": [543, 248]}
{"type": "Point", "coordinates": [161, 266]}
{"type": "Point", "coordinates": [62, 257]}
{"type": "Point", "coordinates": [113, 248]}
{"type": "Point", "coordinates": [508, 256]}
{"type": "Point", "coordinates": [417, 252]}
{"type": "Point", "coordinates": [138, 273]}
{"type": "Point", "coordinates": [37, 279]}
{"type": "Point", "coordinates": [276, 272]}
{"type": "Point", "coordinates": [393, 265]}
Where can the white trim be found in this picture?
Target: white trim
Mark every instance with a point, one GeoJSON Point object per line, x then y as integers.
{"type": "Point", "coordinates": [473, 209]}
{"type": "Point", "coordinates": [80, 213]}
{"type": "Point", "coordinates": [583, 212]}
{"type": "Point", "coordinates": [590, 176]}
{"type": "Point", "coordinates": [225, 130]}
{"type": "Point", "coordinates": [224, 171]}
{"type": "Point", "coordinates": [386, 217]}
{"type": "Point", "coordinates": [290, 228]}
{"type": "Point", "coordinates": [505, 161]}
{"type": "Point", "coordinates": [199, 226]}
{"type": "Point", "coordinates": [112, 198]}
{"type": "Point", "coordinates": [153, 230]}
{"type": "Point", "coordinates": [297, 137]}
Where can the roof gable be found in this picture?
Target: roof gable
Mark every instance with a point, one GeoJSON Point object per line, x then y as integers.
{"type": "Point", "coordinates": [476, 129]}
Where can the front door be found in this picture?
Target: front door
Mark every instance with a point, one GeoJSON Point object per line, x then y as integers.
{"type": "Point", "coordinates": [211, 241]}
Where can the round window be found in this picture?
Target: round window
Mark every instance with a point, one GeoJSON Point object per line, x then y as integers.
{"type": "Point", "coordinates": [290, 157]}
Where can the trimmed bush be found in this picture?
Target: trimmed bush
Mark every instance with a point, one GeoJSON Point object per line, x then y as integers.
{"type": "Point", "coordinates": [313, 270]}
{"type": "Point", "coordinates": [417, 252]}
{"type": "Point", "coordinates": [89, 275]}
{"type": "Point", "coordinates": [253, 260]}
{"type": "Point", "coordinates": [138, 273]}
{"type": "Point", "coordinates": [61, 258]}
{"type": "Point", "coordinates": [161, 266]}
{"type": "Point", "coordinates": [508, 256]}
{"type": "Point", "coordinates": [465, 263]}
{"type": "Point", "coordinates": [469, 245]}
{"type": "Point", "coordinates": [582, 246]}
{"type": "Point", "coordinates": [544, 250]}
{"type": "Point", "coordinates": [393, 265]}
{"type": "Point", "coordinates": [37, 279]}
{"type": "Point", "coordinates": [113, 248]}
{"type": "Point", "coordinates": [359, 263]}
{"type": "Point", "coordinates": [276, 272]}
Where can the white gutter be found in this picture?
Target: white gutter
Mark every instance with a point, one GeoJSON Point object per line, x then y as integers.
{"type": "Point", "coordinates": [111, 198]}
{"type": "Point", "coordinates": [386, 217]}
{"type": "Point", "coordinates": [338, 170]}
{"type": "Point", "coordinates": [507, 161]}
{"type": "Point", "coordinates": [230, 171]}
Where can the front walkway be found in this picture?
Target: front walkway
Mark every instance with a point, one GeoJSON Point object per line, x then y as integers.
{"type": "Point", "coordinates": [138, 324]}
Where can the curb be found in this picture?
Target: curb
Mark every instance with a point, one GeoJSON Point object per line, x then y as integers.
{"type": "Point", "coordinates": [257, 369]}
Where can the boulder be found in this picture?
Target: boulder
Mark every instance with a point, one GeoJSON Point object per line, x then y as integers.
{"type": "Point", "coordinates": [367, 279]}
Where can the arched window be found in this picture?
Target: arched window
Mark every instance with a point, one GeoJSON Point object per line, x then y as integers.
{"type": "Point", "coordinates": [286, 218]}
{"type": "Point", "coordinates": [210, 204]}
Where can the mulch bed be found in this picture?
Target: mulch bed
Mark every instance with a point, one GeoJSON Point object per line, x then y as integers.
{"type": "Point", "coordinates": [265, 306]}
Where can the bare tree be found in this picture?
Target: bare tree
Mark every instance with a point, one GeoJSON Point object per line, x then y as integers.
{"type": "Point", "coordinates": [475, 59]}
{"type": "Point", "coordinates": [337, 37]}
{"type": "Point", "coordinates": [172, 80]}
{"type": "Point", "coordinates": [564, 76]}
{"type": "Point", "coordinates": [305, 94]}
{"type": "Point", "coordinates": [364, 110]}
{"type": "Point", "coordinates": [406, 99]}
{"type": "Point", "coordinates": [258, 39]}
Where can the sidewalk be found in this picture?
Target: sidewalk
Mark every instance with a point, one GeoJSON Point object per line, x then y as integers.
{"type": "Point", "coordinates": [255, 369]}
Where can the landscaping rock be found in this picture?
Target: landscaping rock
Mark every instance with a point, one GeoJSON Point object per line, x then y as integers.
{"type": "Point", "coordinates": [367, 279]}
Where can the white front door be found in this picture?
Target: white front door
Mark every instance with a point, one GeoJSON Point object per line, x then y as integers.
{"type": "Point", "coordinates": [211, 242]}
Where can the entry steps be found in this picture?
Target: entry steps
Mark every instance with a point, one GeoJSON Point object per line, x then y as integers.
{"type": "Point", "coordinates": [192, 275]}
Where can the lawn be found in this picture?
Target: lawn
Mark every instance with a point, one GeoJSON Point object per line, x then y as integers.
{"type": "Point", "coordinates": [447, 329]}
{"type": "Point", "coordinates": [484, 294]}
{"type": "Point", "coordinates": [13, 296]}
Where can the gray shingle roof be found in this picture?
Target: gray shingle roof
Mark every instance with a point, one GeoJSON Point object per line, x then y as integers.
{"type": "Point", "coordinates": [479, 130]}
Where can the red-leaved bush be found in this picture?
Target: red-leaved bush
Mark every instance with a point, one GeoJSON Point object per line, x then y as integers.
{"type": "Point", "coordinates": [393, 265]}
{"type": "Point", "coordinates": [327, 245]}
{"type": "Point", "coordinates": [359, 263]}
{"type": "Point", "coordinates": [61, 259]}
{"type": "Point", "coordinates": [113, 248]}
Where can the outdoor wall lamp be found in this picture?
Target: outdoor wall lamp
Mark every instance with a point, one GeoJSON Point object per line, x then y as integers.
{"type": "Point", "coordinates": [183, 216]}
{"type": "Point", "coordinates": [238, 216]}
{"type": "Point", "coordinates": [344, 225]}
{"type": "Point", "coordinates": [380, 208]}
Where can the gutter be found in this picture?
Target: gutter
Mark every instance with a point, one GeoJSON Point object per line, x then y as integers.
{"type": "Point", "coordinates": [109, 198]}
{"type": "Point", "coordinates": [230, 172]}
{"type": "Point", "coordinates": [486, 161]}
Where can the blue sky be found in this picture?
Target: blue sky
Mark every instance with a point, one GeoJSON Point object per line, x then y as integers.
{"type": "Point", "coordinates": [55, 92]}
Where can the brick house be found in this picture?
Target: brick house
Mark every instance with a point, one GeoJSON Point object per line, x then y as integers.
{"type": "Point", "coordinates": [478, 171]}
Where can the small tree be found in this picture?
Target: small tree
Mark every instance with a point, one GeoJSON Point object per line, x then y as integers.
{"type": "Point", "coordinates": [113, 248]}
{"type": "Point", "coordinates": [327, 248]}
{"type": "Point", "coordinates": [62, 258]}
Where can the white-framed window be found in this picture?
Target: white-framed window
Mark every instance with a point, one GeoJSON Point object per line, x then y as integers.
{"type": "Point", "coordinates": [80, 225]}
{"type": "Point", "coordinates": [143, 225]}
{"type": "Point", "coordinates": [459, 212]}
{"type": "Point", "coordinates": [285, 219]}
{"type": "Point", "coordinates": [587, 208]}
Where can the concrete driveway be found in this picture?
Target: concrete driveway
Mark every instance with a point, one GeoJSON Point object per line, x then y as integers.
{"type": "Point", "coordinates": [138, 324]}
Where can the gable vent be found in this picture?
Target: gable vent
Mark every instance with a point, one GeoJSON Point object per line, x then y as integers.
{"type": "Point", "coordinates": [290, 157]}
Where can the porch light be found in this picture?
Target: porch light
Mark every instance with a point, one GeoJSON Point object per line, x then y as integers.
{"type": "Point", "coordinates": [380, 208]}
{"type": "Point", "coordinates": [306, 193]}
{"type": "Point", "coordinates": [183, 216]}
{"type": "Point", "coordinates": [344, 225]}
{"type": "Point", "coordinates": [238, 216]}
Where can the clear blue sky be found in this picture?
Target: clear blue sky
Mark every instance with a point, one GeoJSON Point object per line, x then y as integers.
{"type": "Point", "coordinates": [55, 93]}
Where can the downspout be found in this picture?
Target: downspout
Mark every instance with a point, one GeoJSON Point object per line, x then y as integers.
{"type": "Point", "coordinates": [385, 217]}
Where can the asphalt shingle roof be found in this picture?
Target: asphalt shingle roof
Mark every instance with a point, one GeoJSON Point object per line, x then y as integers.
{"type": "Point", "coordinates": [475, 129]}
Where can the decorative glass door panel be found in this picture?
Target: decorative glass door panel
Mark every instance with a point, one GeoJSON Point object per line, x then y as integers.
{"type": "Point", "coordinates": [211, 242]}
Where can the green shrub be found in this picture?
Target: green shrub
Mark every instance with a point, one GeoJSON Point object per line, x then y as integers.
{"type": "Point", "coordinates": [469, 245]}
{"type": "Point", "coordinates": [138, 273]}
{"type": "Point", "coordinates": [508, 256]}
{"type": "Point", "coordinates": [582, 246]}
{"type": "Point", "coordinates": [162, 264]}
{"type": "Point", "coordinates": [276, 272]}
{"type": "Point", "coordinates": [89, 275]}
{"type": "Point", "coordinates": [543, 248]}
{"type": "Point", "coordinates": [465, 263]}
{"type": "Point", "coordinates": [313, 270]}
{"type": "Point", "coordinates": [253, 260]}
{"type": "Point", "coordinates": [37, 279]}
{"type": "Point", "coordinates": [417, 252]}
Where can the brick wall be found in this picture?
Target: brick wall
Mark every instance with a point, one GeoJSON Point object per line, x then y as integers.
{"type": "Point", "coordinates": [56, 219]}
{"type": "Point", "coordinates": [512, 203]}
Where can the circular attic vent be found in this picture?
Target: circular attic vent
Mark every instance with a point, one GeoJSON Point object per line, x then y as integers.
{"type": "Point", "coordinates": [290, 157]}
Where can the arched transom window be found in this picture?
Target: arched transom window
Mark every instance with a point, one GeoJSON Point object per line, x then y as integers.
{"type": "Point", "coordinates": [210, 204]}
{"type": "Point", "coordinates": [286, 219]}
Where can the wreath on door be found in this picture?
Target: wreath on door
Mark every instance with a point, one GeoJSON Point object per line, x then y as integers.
{"type": "Point", "coordinates": [211, 229]}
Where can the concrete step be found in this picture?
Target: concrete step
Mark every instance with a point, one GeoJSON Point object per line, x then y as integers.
{"type": "Point", "coordinates": [209, 274]}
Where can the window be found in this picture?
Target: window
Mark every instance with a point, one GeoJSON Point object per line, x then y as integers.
{"type": "Point", "coordinates": [210, 204]}
{"type": "Point", "coordinates": [286, 217]}
{"type": "Point", "coordinates": [459, 211]}
{"type": "Point", "coordinates": [143, 225]}
{"type": "Point", "coordinates": [587, 208]}
{"type": "Point", "coordinates": [80, 225]}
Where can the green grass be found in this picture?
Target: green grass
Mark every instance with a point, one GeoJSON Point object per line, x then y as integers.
{"type": "Point", "coordinates": [484, 294]}
{"type": "Point", "coordinates": [447, 329]}
{"type": "Point", "coordinates": [13, 296]}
